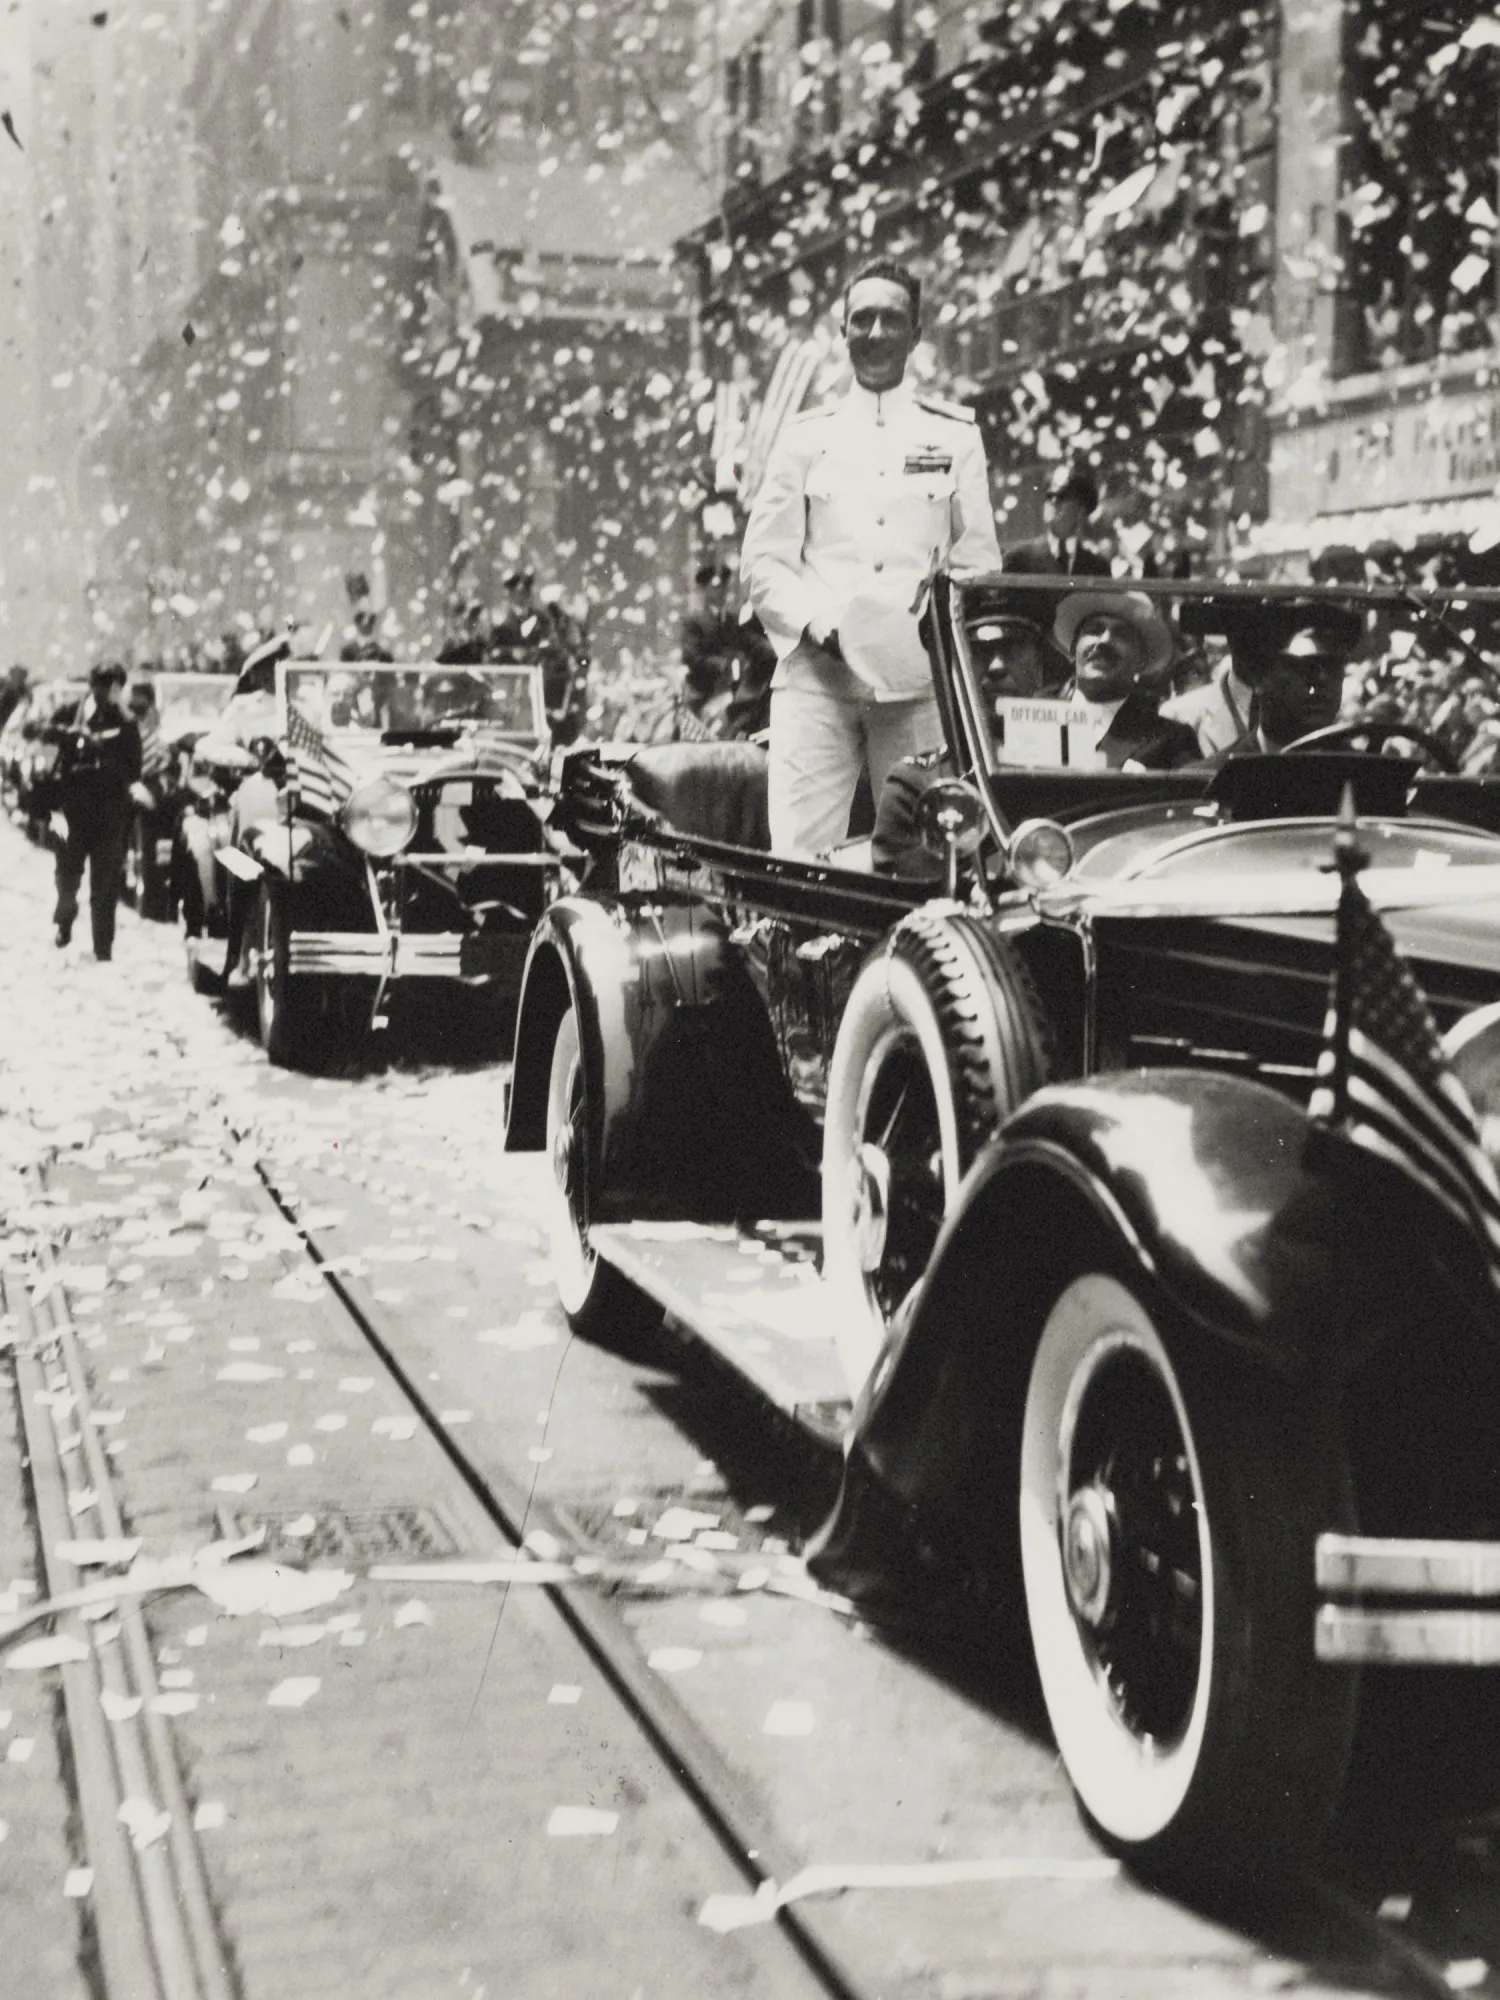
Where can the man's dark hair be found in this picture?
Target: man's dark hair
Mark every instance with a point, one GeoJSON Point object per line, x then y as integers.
{"type": "Point", "coordinates": [108, 672]}
{"type": "Point", "coordinates": [893, 273]}
{"type": "Point", "coordinates": [1075, 482]}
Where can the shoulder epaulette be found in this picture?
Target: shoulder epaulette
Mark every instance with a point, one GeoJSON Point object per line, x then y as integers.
{"type": "Point", "coordinates": [939, 406]}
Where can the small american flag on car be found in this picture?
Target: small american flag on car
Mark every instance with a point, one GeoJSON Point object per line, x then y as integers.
{"type": "Point", "coordinates": [324, 781]}
{"type": "Point", "coordinates": [1383, 1082]}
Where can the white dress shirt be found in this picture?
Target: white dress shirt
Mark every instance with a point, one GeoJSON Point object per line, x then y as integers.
{"type": "Point", "coordinates": [861, 500]}
{"type": "Point", "coordinates": [1219, 710]}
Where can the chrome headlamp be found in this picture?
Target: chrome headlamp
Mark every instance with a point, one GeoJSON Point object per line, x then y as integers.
{"type": "Point", "coordinates": [1041, 854]}
{"type": "Point", "coordinates": [380, 817]}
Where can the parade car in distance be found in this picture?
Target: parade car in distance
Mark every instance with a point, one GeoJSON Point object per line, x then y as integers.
{"type": "Point", "coordinates": [392, 831]}
{"type": "Point", "coordinates": [1005, 1185]}
{"type": "Point", "coordinates": [188, 705]}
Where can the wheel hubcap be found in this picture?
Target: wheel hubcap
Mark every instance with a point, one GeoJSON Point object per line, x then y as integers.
{"type": "Point", "coordinates": [1129, 1546]}
{"type": "Point", "coordinates": [1089, 1555]}
{"type": "Point", "coordinates": [562, 1159]}
{"type": "Point", "coordinates": [872, 1206]}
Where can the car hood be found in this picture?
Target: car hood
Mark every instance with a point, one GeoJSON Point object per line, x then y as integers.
{"type": "Point", "coordinates": [1438, 915]}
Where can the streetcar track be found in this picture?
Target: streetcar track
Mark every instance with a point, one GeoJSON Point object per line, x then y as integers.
{"type": "Point", "coordinates": [737, 1822]}
{"type": "Point", "coordinates": [157, 1933]}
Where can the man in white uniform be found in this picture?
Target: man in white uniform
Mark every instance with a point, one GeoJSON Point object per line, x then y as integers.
{"type": "Point", "coordinates": [861, 500]}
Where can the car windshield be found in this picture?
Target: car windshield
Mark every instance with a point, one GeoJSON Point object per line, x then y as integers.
{"type": "Point", "coordinates": [190, 701]}
{"type": "Point", "coordinates": [1400, 670]}
{"type": "Point", "coordinates": [374, 701]}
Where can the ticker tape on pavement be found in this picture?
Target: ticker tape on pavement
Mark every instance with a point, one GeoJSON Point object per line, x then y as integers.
{"type": "Point", "coordinates": [734, 1913]}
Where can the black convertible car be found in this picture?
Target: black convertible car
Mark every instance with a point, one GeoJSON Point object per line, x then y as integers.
{"type": "Point", "coordinates": [1005, 1184]}
{"type": "Point", "coordinates": [372, 826]}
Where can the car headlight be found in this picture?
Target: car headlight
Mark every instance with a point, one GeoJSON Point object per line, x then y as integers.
{"type": "Point", "coordinates": [1041, 854]}
{"type": "Point", "coordinates": [380, 816]}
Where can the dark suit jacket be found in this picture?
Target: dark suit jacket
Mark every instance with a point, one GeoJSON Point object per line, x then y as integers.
{"type": "Point", "coordinates": [1036, 559]}
{"type": "Point", "coordinates": [1141, 735]}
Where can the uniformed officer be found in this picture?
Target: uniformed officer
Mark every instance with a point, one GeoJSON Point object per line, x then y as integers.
{"type": "Point", "coordinates": [99, 760]}
{"type": "Point", "coordinates": [862, 497]}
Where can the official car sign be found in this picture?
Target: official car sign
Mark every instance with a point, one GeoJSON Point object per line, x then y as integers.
{"type": "Point", "coordinates": [1047, 733]}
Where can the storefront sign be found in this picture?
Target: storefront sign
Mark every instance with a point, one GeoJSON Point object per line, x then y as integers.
{"type": "Point", "coordinates": [1442, 448]}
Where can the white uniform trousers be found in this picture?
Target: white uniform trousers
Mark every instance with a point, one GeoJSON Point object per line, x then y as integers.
{"type": "Point", "coordinates": [826, 728]}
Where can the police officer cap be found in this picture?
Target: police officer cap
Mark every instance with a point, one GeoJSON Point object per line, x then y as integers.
{"type": "Point", "coordinates": [107, 673]}
{"type": "Point", "coordinates": [1258, 632]}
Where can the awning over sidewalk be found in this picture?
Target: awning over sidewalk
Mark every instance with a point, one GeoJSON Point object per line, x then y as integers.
{"type": "Point", "coordinates": [1475, 518]}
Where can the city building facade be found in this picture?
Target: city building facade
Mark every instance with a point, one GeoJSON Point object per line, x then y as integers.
{"type": "Point", "coordinates": [437, 325]}
{"type": "Point", "coordinates": [1237, 257]}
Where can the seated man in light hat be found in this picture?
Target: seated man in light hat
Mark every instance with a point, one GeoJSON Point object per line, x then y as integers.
{"type": "Point", "coordinates": [1120, 647]}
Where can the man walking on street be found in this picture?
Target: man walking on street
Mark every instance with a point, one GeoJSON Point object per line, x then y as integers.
{"type": "Point", "coordinates": [99, 761]}
{"type": "Point", "coordinates": [862, 499]}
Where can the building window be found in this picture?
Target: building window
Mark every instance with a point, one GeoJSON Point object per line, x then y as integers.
{"type": "Point", "coordinates": [1419, 188]}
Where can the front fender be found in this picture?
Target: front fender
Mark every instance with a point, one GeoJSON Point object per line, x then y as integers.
{"type": "Point", "coordinates": [581, 956]}
{"type": "Point", "coordinates": [1194, 1188]}
{"type": "Point", "coordinates": [687, 1112]}
{"type": "Point", "coordinates": [276, 846]}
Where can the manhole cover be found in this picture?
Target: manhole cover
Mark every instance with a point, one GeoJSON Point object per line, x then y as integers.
{"type": "Point", "coordinates": [351, 1534]}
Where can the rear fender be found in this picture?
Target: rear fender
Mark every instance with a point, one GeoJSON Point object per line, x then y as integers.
{"type": "Point", "coordinates": [686, 1109]}
{"type": "Point", "coordinates": [1190, 1186]}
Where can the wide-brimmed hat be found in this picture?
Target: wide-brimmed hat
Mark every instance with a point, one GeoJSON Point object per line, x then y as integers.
{"type": "Point", "coordinates": [1132, 605]}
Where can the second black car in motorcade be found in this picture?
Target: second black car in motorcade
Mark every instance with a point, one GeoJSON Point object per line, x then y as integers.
{"type": "Point", "coordinates": [1015, 1186]}
{"type": "Point", "coordinates": [393, 832]}
{"type": "Point", "coordinates": [187, 705]}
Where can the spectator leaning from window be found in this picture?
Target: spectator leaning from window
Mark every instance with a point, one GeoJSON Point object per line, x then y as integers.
{"type": "Point", "coordinates": [862, 499]}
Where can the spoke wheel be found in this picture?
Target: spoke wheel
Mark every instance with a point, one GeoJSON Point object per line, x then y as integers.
{"type": "Point", "coordinates": [268, 944]}
{"type": "Point", "coordinates": [599, 1304]}
{"type": "Point", "coordinates": [940, 1040]}
{"type": "Point", "coordinates": [906, 1166]}
{"type": "Point", "coordinates": [1167, 1550]}
{"type": "Point", "coordinates": [306, 1022]}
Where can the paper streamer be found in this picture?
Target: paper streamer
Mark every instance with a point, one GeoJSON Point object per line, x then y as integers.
{"type": "Point", "coordinates": [735, 1913]}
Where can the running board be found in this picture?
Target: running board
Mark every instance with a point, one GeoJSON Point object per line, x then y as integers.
{"type": "Point", "coordinates": [751, 1294]}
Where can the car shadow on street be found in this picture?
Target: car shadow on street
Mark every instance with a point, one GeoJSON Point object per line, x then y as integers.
{"type": "Point", "coordinates": [1424, 1797]}
{"type": "Point", "coordinates": [449, 1029]}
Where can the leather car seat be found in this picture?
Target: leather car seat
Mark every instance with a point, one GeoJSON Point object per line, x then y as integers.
{"type": "Point", "coordinates": [714, 790]}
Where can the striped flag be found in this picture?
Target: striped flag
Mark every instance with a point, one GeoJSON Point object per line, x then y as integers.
{"type": "Point", "coordinates": [323, 780]}
{"type": "Point", "coordinates": [1383, 1083]}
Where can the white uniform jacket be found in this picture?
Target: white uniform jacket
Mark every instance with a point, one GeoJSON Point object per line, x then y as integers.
{"type": "Point", "coordinates": [859, 498]}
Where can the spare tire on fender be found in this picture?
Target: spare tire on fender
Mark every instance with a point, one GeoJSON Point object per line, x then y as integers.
{"type": "Point", "coordinates": [942, 1039]}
